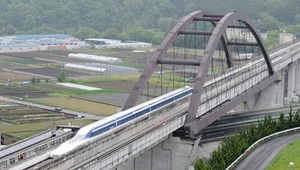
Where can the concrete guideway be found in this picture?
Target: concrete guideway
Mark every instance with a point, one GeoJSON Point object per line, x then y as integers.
{"type": "Point", "coordinates": [95, 152]}
{"type": "Point", "coordinates": [86, 115]}
{"type": "Point", "coordinates": [262, 156]}
{"type": "Point", "coordinates": [31, 154]}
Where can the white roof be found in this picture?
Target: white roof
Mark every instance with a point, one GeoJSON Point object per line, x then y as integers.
{"type": "Point", "coordinates": [79, 86]}
{"type": "Point", "coordinates": [94, 57]}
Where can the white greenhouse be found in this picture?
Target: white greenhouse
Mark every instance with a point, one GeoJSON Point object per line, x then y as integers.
{"type": "Point", "coordinates": [86, 68]}
{"type": "Point", "coordinates": [95, 58]}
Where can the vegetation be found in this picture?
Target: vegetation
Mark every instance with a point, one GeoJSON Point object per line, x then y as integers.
{"type": "Point", "coordinates": [131, 19]}
{"type": "Point", "coordinates": [156, 78]}
{"type": "Point", "coordinates": [108, 78]}
{"type": "Point", "coordinates": [232, 147]}
{"type": "Point", "coordinates": [62, 76]}
{"type": "Point", "coordinates": [80, 105]}
{"type": "Point", "coordinates": [287, 155]}
{"type": "Point", "coordinates": [59, 91]}
{"type": "Point", "coordinates": [35, 80]}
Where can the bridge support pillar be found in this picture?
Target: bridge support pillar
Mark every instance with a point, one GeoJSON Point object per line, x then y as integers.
{"type": "Point", "coordinates": [291, 81]}
{"type": "Point", "coordinates": [171, 154]}
{"type": "Point", "coordinates": [192, 154]}
{"type": "Point", "coordinates": [280, 93]}
{"type": "Point", "coordinates": [297, 79]}
{"type": "Point", "coordinates": [270, 97]}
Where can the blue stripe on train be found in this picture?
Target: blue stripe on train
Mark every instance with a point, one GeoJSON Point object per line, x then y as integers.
{"type": "Point", "coordinates": [112, 124]}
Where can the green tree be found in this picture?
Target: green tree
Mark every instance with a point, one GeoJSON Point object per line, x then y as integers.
{"type": "Point", "coordinates": [281, 122]}
{"type": "Point", "coordinates": [29, 23]}
{"type": "Point", "coordinates": [290, 122]}
{"type": "Point", "coordinates": [9, 30]}
{"type": "Point", "coordinates": [111, 33]}
{"type": "Point", "coordinates": [164, 24]}
{"type": "Point", "coordinates": [268, 22]}
{"type": "Point", "coordinates": [59, 79]}
{"type": "Point", "coordinates": [63, 75]}
{"type": "Point", "coordinates": [87, 32]}
{"type": "Point", "coordinates": [232, 147]}
{"type": "Point", "coordinates": [199, 165]}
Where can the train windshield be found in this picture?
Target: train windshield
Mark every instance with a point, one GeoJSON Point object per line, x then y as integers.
{"type": "Point", "coordinates": [76, 138]}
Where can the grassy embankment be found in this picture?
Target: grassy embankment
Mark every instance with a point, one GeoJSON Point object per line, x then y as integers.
{"type": "Point", "coordinates": [291, 153]}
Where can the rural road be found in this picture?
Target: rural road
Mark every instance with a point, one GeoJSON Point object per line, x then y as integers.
{"type": "Point", "coordinates": [86, 115]}
{"type": "Point", "coordinates": [262, 156]}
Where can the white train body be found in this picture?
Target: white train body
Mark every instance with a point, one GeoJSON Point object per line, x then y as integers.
{"type": "Point", "coordinates": [119, 120]}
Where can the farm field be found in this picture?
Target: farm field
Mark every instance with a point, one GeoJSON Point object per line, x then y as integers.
{"type": "Point", "coordinates": [80, 105]}
{"type": "Point", "coordinates": [21, 60]}
{"type": "Point", "coordinates": [25, 114]}
{"type": "Point", "coordinates": [125, 83]}
{"type": "Point", "coordinates": [56, 90]}
{"type": "Point", "coordinates": [20, 92]}
{"type": "Point", "coordinates": [121, 86]}
{"type": "Point", "coordinates": [114, 99]}
{"type": "Point", "coordinates": [24, 121]}
{"type": "Point", "coordinates": [53, 72]}
{"type": "Point", "coordinates": [5, 57]}
{"type": "Point", "coordinates": [287, 155]}
{"type": "Point", "coordinates": [16, 77]}
{"type": "Point", "coordinates": [26, 61]}
{"type": "Point", "coordinates": [29, 129]}
{"type": "Point", "coordinates": [117, 99]}
{"type": "Point", "coordinates": [27, 121]}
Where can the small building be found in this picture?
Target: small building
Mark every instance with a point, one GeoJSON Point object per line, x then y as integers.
{"type": "Point", "coordinates": [243, 34]}
{"type": "Point", "coordinates": [286, 37]}
{"type": "Point", "coordinates": [6, 40]}
{"type": "Point", "coordinates": [50, 45]}
{"type": "Point", "coordinates": [45, 41]}
{"type": "Point", "coordinates": [18, 47]}
{"type": "Point", "coordinates": [129, 44]}
{"type": "Point", "coordinates": [111, 43]}
{"type": "Point", "coordinates": [42, 37]}
{"type": "Point", "coordinates": [264, 35]}
{"type": "Point", "coordinates": [101, 41]}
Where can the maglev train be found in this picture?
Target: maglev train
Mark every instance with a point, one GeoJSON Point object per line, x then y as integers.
{"type": "Point", "coordinates": [119, 120]}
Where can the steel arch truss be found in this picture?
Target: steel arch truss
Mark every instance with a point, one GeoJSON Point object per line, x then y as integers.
{"type": "Point", "coordinates": [221, 23]}
{"type": "Point", "coordinates": [179, 28]}
{"type": "Point", "coordinates": [193, 124]}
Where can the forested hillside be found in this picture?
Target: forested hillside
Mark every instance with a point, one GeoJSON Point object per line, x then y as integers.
{"type": "Point", "coordinates": [145, 20]}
